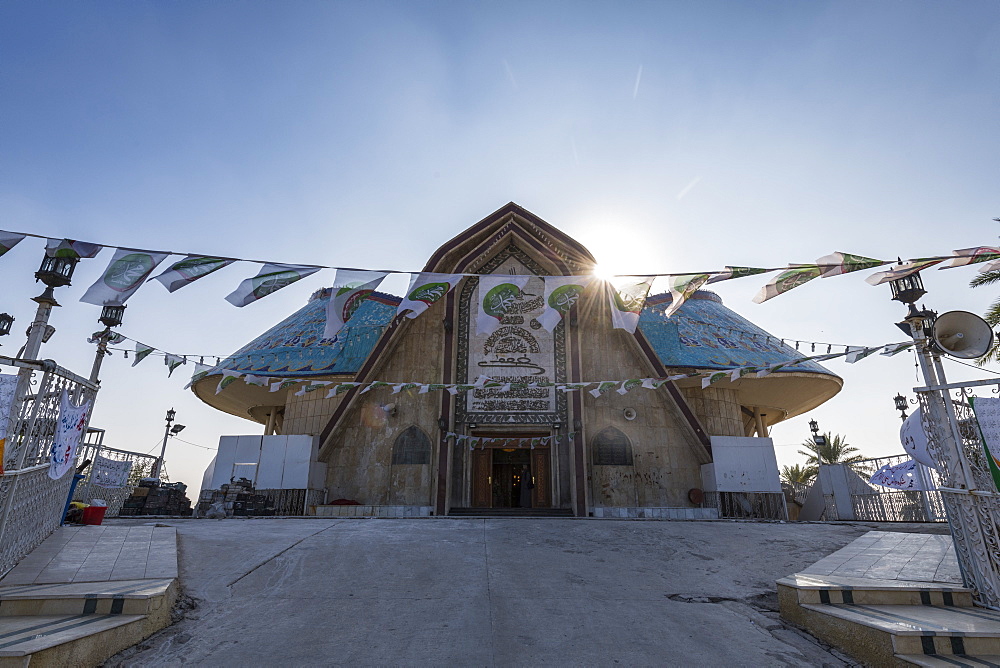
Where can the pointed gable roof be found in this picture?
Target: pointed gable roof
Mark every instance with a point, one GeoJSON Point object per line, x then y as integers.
{"type": "Point", "coordinates": [464, 252]}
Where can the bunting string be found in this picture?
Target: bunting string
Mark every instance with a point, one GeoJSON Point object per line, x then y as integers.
{"type": "Point", "coordinates": [130, 268]}
{"type": "Point", "coordinates": [304, 386]}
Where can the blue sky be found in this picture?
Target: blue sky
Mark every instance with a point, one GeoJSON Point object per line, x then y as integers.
{"type": "Point", "coordinates": [666, 136]}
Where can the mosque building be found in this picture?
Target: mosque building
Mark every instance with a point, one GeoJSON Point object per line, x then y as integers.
{"type": "Point", "coordinates": [616, 454]}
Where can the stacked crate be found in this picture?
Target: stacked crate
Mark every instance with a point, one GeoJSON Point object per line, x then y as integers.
{"type": "Point", "coordinates": [154, 498]}
{"type": "Point", "coordinates": [239, 499]}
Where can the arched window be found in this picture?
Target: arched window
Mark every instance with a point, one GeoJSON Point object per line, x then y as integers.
{"type": "Point", "coordinates": [612, 448]}
{"type": "Point", "coordinates": [412, 447]}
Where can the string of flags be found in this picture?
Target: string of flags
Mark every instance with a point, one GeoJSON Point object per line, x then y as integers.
{"type": "Point", "coordinates": [130, 268]}
{"type": "Point", "coordinates": [304, 386]}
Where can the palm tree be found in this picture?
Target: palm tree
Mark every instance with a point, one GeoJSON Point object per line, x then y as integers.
{"type": "Point", "coordinates": [796, 474]}
{"type": "Point", "coordinates": [835, 450]}
{"type": "Point", "coordinates": [992, 315]}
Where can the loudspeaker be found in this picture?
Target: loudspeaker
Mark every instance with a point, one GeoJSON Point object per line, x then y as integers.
{"type": "Point", "coordinates": [629, 413]}
{"type": "Point", "coordinates": [962, 334]}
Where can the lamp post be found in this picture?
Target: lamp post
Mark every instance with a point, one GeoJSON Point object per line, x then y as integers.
{"type": "Point", "coordinates": [167, 433]}
{"type": "Point", "coordinates": [54, 272]}
{"type": "Point", "coordinates": [6, 321]}
{"type": "Point", "coordinates": [818, 438]}
{"type": "Point", "coordinates": [940, 422]}
{"type": "Point", "coordinates": [111, 316]}
{"type": "Point", "coordinates": [901, 405]}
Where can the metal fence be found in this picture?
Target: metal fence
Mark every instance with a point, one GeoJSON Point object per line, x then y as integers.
{"type": "Point", "coordinates": [86, 490]}
{"type": "Point", "coordinates": [748, 505]}
{"type": "Point", "coordinates": [875, 503]}
{"type": "Point", "coordinates": [31, 503]}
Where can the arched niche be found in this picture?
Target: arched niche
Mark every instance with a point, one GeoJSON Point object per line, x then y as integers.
{"type": "Point", "coordinates": [412, 447]}
{"type": "Point", "coordinates": [611, 447]}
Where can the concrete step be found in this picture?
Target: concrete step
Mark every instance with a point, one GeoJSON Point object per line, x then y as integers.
{"type": "Point", "coordinates": [121, 597]}
{"type": "Point", "coordinates": [66, 640]}
{"type": "Point", "coordinates": [934, 661]}
{"type": "Point", "coordinates": [807, 589]}
{"type": "Point", "coordinates": [510, 512]}
{"type": "Point", "coordinates": [918, 629]}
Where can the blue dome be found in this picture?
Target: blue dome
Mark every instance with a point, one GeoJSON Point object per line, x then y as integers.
{"type": "Point", "coordinates": [704, 334]}
{"type": "Point", "coordinates": [295, 345]}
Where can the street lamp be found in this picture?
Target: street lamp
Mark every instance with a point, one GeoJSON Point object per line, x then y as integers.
{"type": "Point", "coordinates": [6, 320]}
{"type": "Point", "coordinates": [111, 316]}
{"type": "Point", "coordinates": [818, 439]}
{"type": "Point", "coordinates": [167, 433]}
{"type": "Point", "coordinates": [901, 405]}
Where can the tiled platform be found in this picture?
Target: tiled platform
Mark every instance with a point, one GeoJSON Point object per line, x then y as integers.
{"type": "Point", "coordinates": [99, 554]}
{"type": "Point", "coordinates": [893, 599]}
{"type": "Point", "coordinates": [86, 593]}
{"type": "Point", "coordinates": [882, 555]}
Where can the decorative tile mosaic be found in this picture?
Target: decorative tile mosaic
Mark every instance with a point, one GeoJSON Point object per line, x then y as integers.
{"type": "Point", "coordinates": [704, 334]}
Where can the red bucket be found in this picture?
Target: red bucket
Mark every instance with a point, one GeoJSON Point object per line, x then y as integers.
{"type": "Point", "coordinates": [94, 514]}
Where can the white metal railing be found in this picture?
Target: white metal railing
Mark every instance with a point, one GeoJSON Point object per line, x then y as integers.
{"type": "Point", "coordinates": [966, 484]}
{"type": "Point", "coordinates": [31, 503]}
{"type": "Point", "coordinates": [86, 490]}
{"type": "Point", "coordinates": [875, 503]}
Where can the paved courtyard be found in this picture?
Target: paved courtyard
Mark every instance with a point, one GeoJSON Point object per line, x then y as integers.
{"type": "Point", "coordinates": [302, 592]}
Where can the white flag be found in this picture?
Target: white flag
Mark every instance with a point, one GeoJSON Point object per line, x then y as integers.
{"type": "Point", "coordinates": [271, 278]}
{"type": "Point", "coordinates": [126, 272]}
{"type": "Point", "coordinates": [497, 294]}
{"type": "Point", "coordinates": [8, 240]}
{"type": "Point", "coordinates": [839, 263]}
{"type": "Point", "coordinates": [350, 288]}
{"type": "Point", "coordinates": [172, 362]}
{"type": "Point", "coordinates": [914, 440]}
{"type": "Point", "coordinates": [857, 353]}
{"type": "Point", "coordinates": [973, 256]}
{"type": "Point", "coordinates": [200, 371]}
{"type": "Point", "coordinates": [110, 473]}
{"type": "Point", "coordinates": [681, 288]}
{"type": "Point", "coordinates": [71, 248]}
{"type": "Point", "coordinates": [561, 294]}
{"type": "Point", "coordinates": [68, 433]}
{"type": "Point", "coordinates": [189, 270]}
{"type": "Point", "coordinates": [627, 301]}
{"type": "Point", "coordinates": [142, 351]}
{"type": "Point", "coordinates": [901, 476]}
{"type": "Point", "coordinates": [900, 271]}
{"type": "Point", "coordinates": [426, 289]}
{"type": "Point", "coordinates": [793, 277]}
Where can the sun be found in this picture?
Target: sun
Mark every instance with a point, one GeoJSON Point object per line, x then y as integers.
{"type": "Point", "coordinates": [603, 272]}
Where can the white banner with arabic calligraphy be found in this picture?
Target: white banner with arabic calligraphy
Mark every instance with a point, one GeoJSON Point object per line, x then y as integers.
{"type": "Point", "coordinates": [901, 476]}
{"type": "Point", "coordinates": [519, 350]}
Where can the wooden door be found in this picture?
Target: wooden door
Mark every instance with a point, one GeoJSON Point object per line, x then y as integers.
{"type": "Point", "coordinates": [541, 495]}
{"type": "Point", "coordinates": [482, 470]}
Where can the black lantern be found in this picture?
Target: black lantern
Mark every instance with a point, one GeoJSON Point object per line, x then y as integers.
{"type": "Point", "coordinates": [908, 289]}
{"type": "Point", "coordinates": [818, 438]}
{"type": "Point", "coordinates": [6, 320]}
{"type": "Point", "coordinates": [170, 415]}
{"type": "Point", "coordinates": [112, 314]}
{"type": "Point", "coordinates": [900, 404]}
{"type": "Point", "coordinates": [56, 272]}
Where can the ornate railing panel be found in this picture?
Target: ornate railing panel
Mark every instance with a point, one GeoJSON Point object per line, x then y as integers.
{"type": "Point", "coordinates": [36, 506]}
{"type": "Point", "coordinates": [31, 503]}
{"type": "Point", "coordinates": [967, 487]}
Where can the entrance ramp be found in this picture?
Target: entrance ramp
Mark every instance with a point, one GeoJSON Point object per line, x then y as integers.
{"type": "Point", "coordinates": [893, 599]}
